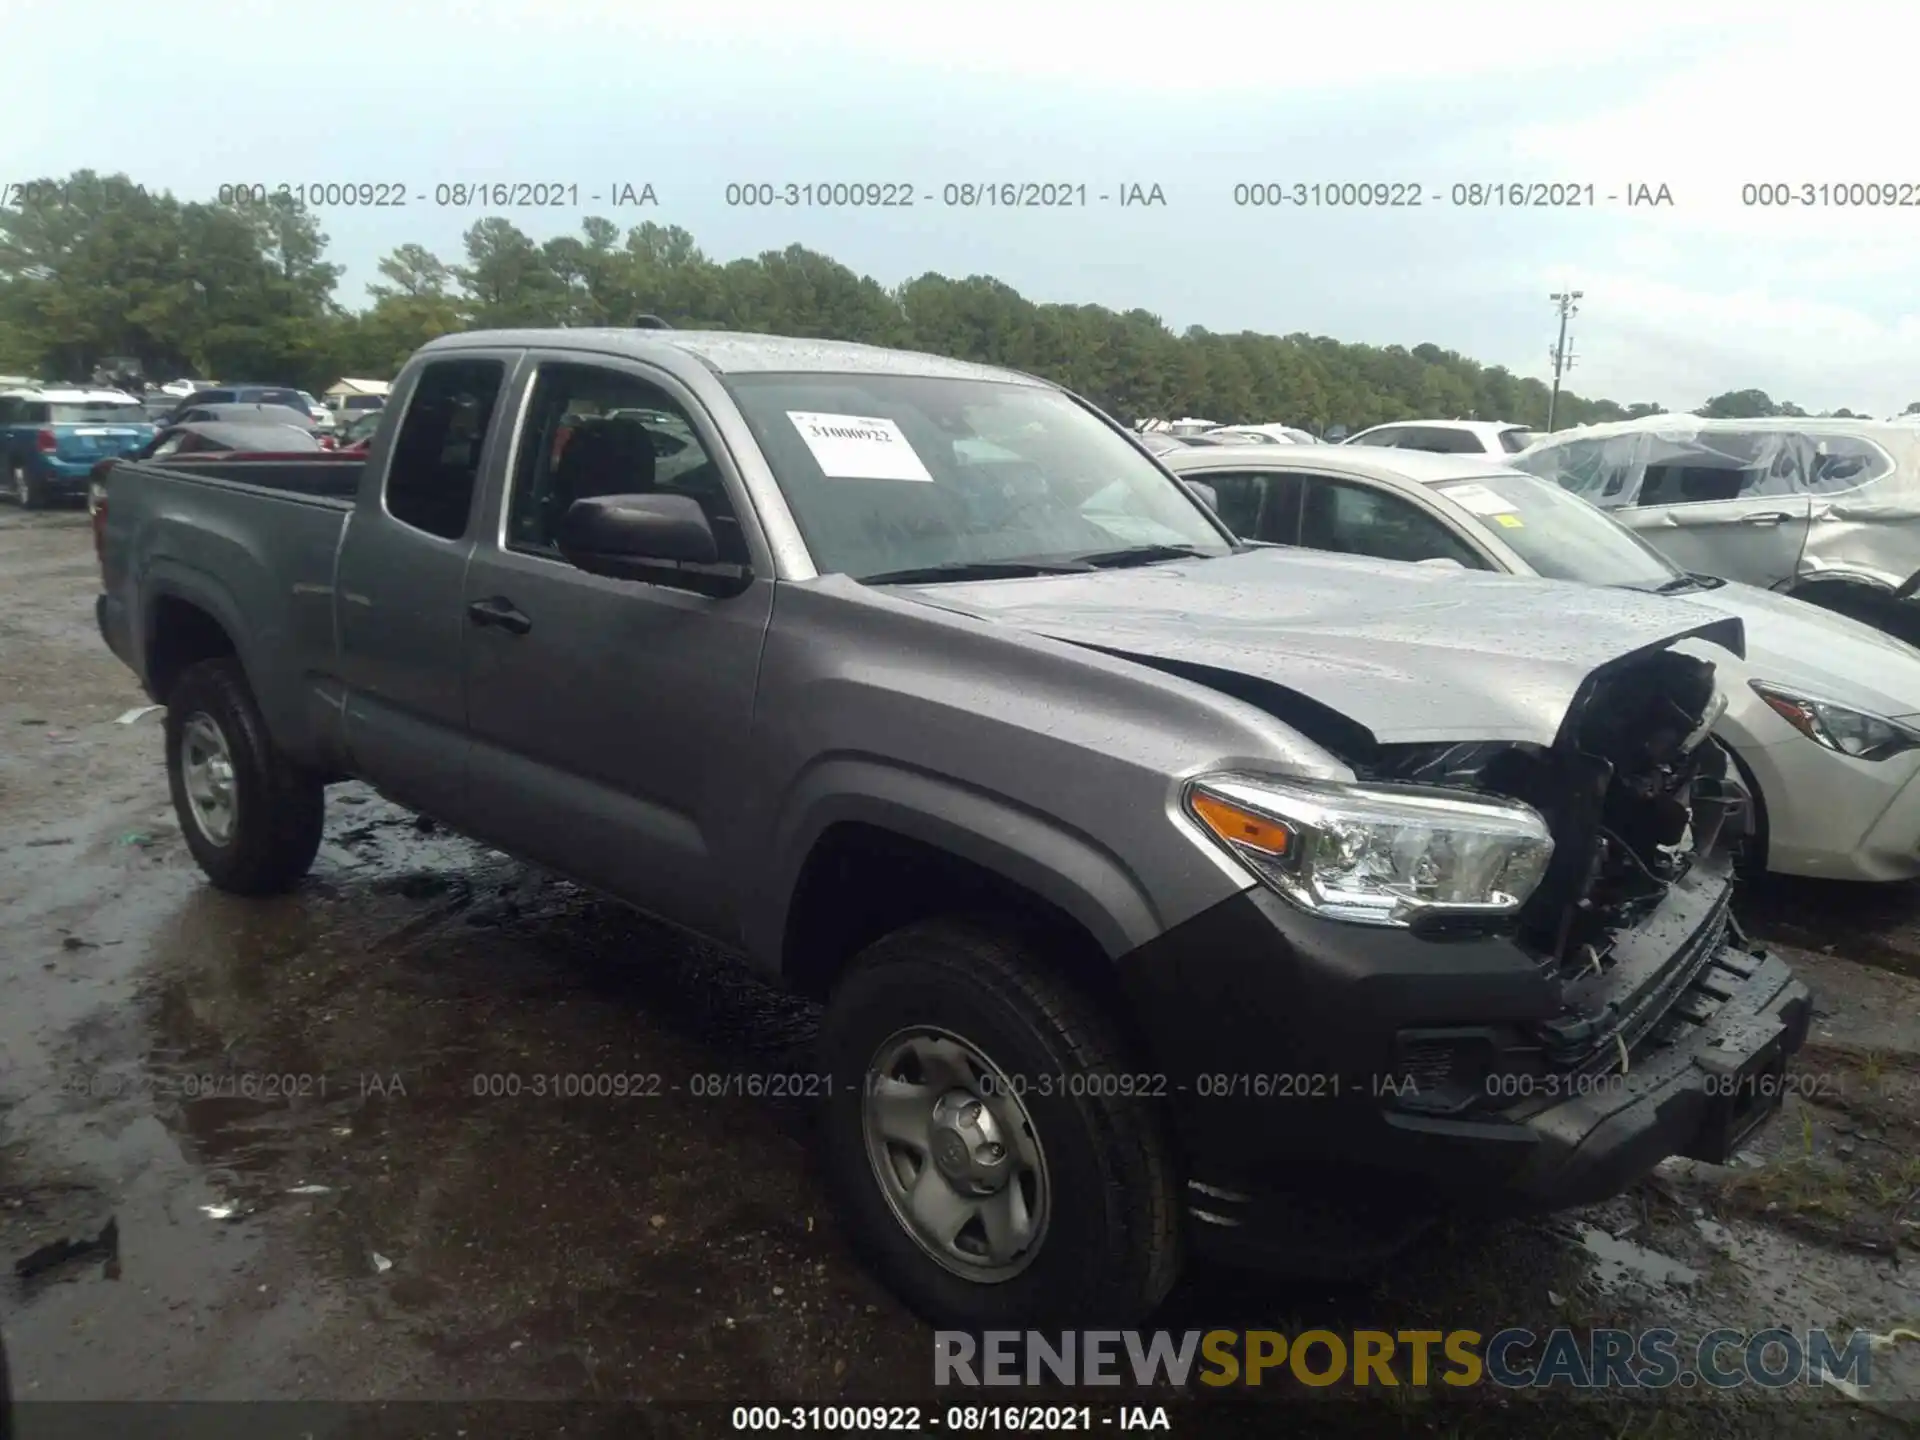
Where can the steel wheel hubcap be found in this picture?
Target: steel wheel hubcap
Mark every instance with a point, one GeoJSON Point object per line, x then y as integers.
{"type": "Point", "coordinates": [207, 769]}
{"type": "Point", "coordinates": [956, 1154]}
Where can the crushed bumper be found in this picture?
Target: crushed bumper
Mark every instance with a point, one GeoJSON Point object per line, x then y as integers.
{"type": "Point", "coordinates": [1324, 1173]}
{"type": "Point", "coordinates": [1700, 1090]}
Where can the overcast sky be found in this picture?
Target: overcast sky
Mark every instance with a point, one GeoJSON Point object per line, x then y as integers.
{"type": "Point", "coordinates": [1820, 306]}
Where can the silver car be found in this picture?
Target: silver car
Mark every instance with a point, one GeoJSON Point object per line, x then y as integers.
{"type": "Point", "coordinates": [1823, 510]}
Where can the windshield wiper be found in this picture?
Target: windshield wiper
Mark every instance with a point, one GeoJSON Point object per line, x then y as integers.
{"type": "Point", "coordinates": [975, 570]}
{"type": "Point", "coordinates": [1140, 555]}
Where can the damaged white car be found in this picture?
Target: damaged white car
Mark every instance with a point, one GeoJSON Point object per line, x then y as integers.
{"type": "Point", "coordinates": [1826, 511]}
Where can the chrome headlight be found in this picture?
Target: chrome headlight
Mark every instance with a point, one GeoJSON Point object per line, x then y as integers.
{"type": "Point", "coordinates": [1377, 854]}
{"type": "Point", "coordinates": [1850, 732]}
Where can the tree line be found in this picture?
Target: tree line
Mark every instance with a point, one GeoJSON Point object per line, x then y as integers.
{"type": "Point", "coordinates": [95, 268]}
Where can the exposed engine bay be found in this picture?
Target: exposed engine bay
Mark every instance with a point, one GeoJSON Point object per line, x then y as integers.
{"type": "Point", "coordinates": [1635, 791]}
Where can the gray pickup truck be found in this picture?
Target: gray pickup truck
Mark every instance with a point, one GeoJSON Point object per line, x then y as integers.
{"type": "Point", "coordinates": [1167, 893]}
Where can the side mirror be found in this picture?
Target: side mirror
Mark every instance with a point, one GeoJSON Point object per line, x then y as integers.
{"type": "Point", "coordinates": [655, 538]}
{"type": "Point", "coordinates": [1209, 496]}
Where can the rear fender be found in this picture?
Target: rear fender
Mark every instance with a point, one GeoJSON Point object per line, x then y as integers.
{"type": "Point", "coordinates": [277, 694]}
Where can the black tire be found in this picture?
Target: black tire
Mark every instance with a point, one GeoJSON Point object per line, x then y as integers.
{"type": "Point", "coordinates": [1750, 859]}
{"type": "Point", "coordinates": [27, 491]}
{"type": "Point", "coordinates": [1113, 1244]}
{"type": "Point", "coordinates": [1878, 608]}
{"type": "Point", "coordinates": [278, 805]}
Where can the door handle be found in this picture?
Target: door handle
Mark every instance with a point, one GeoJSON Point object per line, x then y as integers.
{"type": "Point", "coordinates": [500, 614]}
{"type": "Point", "coordinates": [1771, 517]}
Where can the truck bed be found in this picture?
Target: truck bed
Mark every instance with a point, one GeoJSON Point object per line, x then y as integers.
{"type": "Point", "coordinates": [335, 477]}
{"type": "Point", "coordinates": [250, 542]}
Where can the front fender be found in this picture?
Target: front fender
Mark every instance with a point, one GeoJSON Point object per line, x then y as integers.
{"type": "Point", "coordinates": [1070, 870]}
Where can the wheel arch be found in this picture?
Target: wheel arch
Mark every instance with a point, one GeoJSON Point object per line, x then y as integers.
{"type": "Point", "coordinates": [873, 847]}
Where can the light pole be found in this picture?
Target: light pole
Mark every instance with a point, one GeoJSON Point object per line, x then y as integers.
{"type": "Point", "coordinates": [1567, 301]}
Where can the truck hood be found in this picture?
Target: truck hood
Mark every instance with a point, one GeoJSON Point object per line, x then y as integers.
{"type": "Point", "coordinates": [1408, 652]}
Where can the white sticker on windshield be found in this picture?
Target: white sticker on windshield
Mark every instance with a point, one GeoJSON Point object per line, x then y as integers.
{"type": "Point", "coordinates": [858, 447]}
{"type": "Point", "coordinates": [1479, 499]}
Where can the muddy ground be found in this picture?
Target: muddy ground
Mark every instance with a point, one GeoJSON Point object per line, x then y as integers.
{"type": "Point", "coordinates": [285, 1118]}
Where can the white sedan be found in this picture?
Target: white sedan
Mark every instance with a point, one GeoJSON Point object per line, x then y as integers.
{"type": "Point", "coordinates": [1823, 715]}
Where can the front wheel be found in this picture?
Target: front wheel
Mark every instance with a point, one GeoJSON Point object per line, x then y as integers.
{"type": "Point", "coordinates": [251, 815]}
{"type": "Point", "coordinates": [998, 1161]}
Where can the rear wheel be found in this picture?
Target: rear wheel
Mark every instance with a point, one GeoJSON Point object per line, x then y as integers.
{"type": "Point", "coordinates": [991, 1164]}
{"type": "Point", "coordinates": [28, 492]}
{"type": "Point", "coordinates": [252, 816]}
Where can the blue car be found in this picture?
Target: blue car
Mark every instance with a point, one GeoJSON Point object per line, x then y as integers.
{"type": "Point", "coordinates": [51, 438]}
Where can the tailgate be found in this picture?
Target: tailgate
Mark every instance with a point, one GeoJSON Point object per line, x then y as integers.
{"type": "Point", "coordinates": [98, 442]}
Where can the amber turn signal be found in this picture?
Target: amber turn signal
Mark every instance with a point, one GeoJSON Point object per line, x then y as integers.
{"type": "Point", "coordinates": [1241, 827]}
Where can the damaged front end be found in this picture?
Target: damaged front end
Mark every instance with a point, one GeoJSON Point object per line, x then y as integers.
{"type": "Point", "coordinates": [1645, 808]}
{"type": "Point", "coordinates": [1520, 998]}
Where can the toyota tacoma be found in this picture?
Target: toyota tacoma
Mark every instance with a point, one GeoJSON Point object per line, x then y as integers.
{"type": "Point", "coordinates": [1167, 893]}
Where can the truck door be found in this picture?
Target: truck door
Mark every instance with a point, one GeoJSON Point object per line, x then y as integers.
{"type": "Point", "coordinates": [609, 718]}
{"type": "Point", "coordinates": [401, 570]}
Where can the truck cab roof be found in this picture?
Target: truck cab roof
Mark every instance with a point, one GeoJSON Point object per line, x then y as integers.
{"type": "Point", "coordinates": [732, 352]}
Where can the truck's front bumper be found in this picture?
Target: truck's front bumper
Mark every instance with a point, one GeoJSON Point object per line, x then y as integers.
{"type": "Point", "coordinates": [1283, 1040]}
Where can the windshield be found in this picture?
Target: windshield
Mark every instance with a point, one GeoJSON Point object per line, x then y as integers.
{"type": "Point", "coordinates": [95, 412]}
{"type": "Point", "coordinates": [1558, 535]}
{"type": "Point", "coordinates": [361, 427]}
{"type": "Point", "coordinates": [889, 473]}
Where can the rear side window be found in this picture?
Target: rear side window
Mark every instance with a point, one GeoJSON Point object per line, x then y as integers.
{"type": "Point", "coordinates": [1717, 466]}
{"type": "Point", "coordinates": [1845, 462]}
{"type": "Point", "coordinates": [104, 412]}
{"type": "Point", "coordinates": [436, 455]}
{"type": "Point", "coordinates": [1359, 520]}
{"type": "Point", "coordinates": [1443, 442]}
{"type": "Point", "coordinates": [1257, 505]}
{"type": "Point", "coordinates": [1391, 436]}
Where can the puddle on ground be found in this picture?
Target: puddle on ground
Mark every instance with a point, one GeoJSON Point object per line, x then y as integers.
{"type": "Point", "coordinates": [1619, 1264]}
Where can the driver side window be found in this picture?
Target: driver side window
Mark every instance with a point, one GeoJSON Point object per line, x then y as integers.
{"type": "Point", "coordinates": [592, 432]}
{"type": "Point", "coordinates": [1360, 520]}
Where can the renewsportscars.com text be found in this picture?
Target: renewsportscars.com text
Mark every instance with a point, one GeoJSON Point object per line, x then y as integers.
{"type": "Point", "coordinates": [1513, 1358]}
